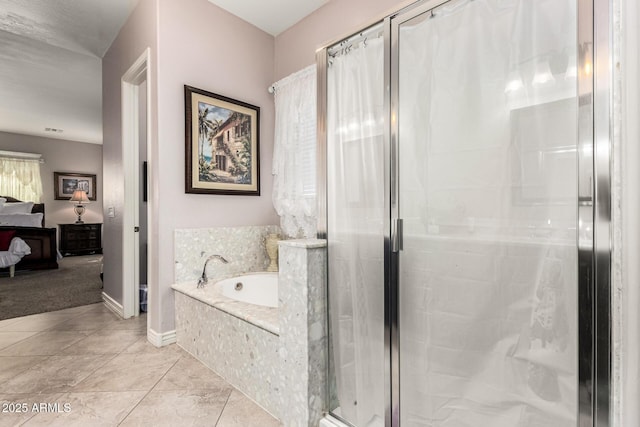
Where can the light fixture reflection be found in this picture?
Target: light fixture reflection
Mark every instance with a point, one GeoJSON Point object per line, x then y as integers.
{"type": "Point", "coordinates": [514, 82]}
{"type": "Point", "coordinates": [586, 57]}
{"type": "Point", "coordinates": [572, 68]}
{"type": "Point", "coordinates": [542, 75]}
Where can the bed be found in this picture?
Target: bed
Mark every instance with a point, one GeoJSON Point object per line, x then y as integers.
{"type": "Point", "coordinates": [29, 226]}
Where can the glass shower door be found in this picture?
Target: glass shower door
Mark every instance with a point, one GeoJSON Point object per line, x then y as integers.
{"type": "Point", "coordinates": [486, 100]}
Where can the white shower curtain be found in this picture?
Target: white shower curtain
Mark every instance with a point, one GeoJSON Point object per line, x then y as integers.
{"type": "Point", "coordinates": [355, 178]}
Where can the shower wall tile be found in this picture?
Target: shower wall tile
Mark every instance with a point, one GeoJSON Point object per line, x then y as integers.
{"type": "Point", "coordinates": [243, 247]}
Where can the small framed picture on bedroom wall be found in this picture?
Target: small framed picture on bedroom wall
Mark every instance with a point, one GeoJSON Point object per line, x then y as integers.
{"type": "Point", "coordinates": [221, 144]}
{"type": "Point", "coordinates": [67, 182]}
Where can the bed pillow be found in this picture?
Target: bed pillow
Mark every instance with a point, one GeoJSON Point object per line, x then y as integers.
{"type": "Point", "coordinates": [5, 239]}
{"type": "Point", "coordinates": [21, 220]}
{"type": "Point", "coordinates": [16, 208]}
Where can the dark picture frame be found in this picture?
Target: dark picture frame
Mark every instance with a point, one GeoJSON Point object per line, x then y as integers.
{"type": "Point", "coordinates": [65, 183]}
{"type": "Point", "coordinates": [222, 144]}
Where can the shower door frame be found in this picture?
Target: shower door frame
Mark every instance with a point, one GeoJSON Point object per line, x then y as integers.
{"type": "Point", "coordinates": [594, 257]}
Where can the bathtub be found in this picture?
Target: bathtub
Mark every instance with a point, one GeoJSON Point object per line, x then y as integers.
{"type": "Point", "coordinates": [268, 339]}
{"type": "Point", "coordinates": [252, 297]}
{"type": "Point", "coordinates": [255, 288]}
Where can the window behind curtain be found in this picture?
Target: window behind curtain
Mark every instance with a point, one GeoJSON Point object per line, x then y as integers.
{"type": "Point", "coordinates": [20, 176]}
{"type": "Point", "coordinates": [294, 154]}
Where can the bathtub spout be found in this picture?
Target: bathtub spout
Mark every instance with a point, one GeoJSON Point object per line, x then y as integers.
{"type": "Point", "coordinates": [203, 280]}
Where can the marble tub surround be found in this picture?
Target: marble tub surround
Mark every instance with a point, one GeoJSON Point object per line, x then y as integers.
{"type": "Point", "coordinates": [284, 372]}
{"type": "Point", "coordinates": [243, 247]}
{"type": "Point", "coordinates": [260, 316]}
{"type": "Point", "coordinates": [303, 341]}
{"type": "Point", "coordinates": [241, 353]}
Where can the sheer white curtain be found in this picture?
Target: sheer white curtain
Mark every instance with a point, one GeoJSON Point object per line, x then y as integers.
{"type": "Point", "coordinates": [355, 186]}
{"type": "Point", "coordinates": [20, 178]}
{"type": "Point", "coordinates": [294, 153]}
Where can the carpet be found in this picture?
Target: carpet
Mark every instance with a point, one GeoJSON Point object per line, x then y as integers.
{"type": "Point", "coordinates": [76, 282]}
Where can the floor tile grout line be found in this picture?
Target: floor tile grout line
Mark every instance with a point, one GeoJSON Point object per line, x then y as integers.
{"type": "Point", "coordinates": [91, 333]}
{"type": "Point", "coordinates": [24, 370]}
{"type": "Point", "coordinates": [180, 356]}
{"type": "Point", "coordinates": [150, 390]}
{"type": "Point", "coordinates": [9, 321]}
{"type": "Point", "coordinates": [66, 320]}
{"type": "Point", "coordinates": [28, 419]}
{"type": "Point", "coordinates": [41, 355]}
{"type": "Point", "coordinates": [18, 342]}
{"type": "Point", "coordinates": [57, 354]}
{"type": "Point", "coordinates": [64, 355]}
{"type": "Point", "coordinates": [224, 406]}
{"type": "Point", "coordinates": [61, 395]}
{"type": "Point", "coordinates": [103, 354]}
{"type": "Point", "coordinates": [56, 323]}
{"type": "Point", "coordinates": [71, 389]}
{"type": "Point", "coordinates": [165, 374]}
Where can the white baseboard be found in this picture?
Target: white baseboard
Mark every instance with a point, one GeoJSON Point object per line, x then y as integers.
{"type": "Point", "coordinates": [160, 340]}
{"type": "Point", "coordinates": [113, 305]}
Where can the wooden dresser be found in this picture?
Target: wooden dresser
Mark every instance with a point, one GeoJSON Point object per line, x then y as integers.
{"type": "Point", "coordinates": [80, 239]}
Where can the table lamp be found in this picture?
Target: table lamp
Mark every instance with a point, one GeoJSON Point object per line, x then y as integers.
{"type": "Point", "coordinates": [79, 198]}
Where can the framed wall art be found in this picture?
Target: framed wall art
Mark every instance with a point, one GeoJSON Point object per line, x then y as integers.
{"type": "Point", "coordinates": [65, 183]}
{"type": "Point", "coordinates": [221, 144]}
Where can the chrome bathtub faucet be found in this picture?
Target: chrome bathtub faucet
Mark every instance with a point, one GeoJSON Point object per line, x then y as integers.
{"type": "Point", "coordinates": [203, 280]}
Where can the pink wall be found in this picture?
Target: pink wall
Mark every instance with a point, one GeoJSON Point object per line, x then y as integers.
{"type": "Point", "coordinates": [138, 33]}
{"type": "Point", "coordinates": [60, 156]}
{"type": "Point", "coordinates": [295, 48]}
{"type": "Point", "coordinates": [204, 46]}
{"type": "Point", "coordinates": [196, 43]}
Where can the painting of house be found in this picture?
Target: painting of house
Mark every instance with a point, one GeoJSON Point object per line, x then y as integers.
{"type": "Point", "coordinates": [224, 144]}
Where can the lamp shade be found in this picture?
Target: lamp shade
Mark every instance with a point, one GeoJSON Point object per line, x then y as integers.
{"type": "Point", "coordinates": [79, 197]}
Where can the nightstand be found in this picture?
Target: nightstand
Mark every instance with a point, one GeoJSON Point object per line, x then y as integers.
{"type": "Point", "coordinates": [80, 239]}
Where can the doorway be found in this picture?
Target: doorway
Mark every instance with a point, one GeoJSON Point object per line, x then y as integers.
{"type": "Point", "coordinates": [136, 167]}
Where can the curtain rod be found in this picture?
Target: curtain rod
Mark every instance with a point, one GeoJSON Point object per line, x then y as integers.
{"type": "Point", "coordinates": [345, 45]}
{"type": "Point", "coordinates": [19, 155]}
{"type": "Point", "coordinates": [293, 76]}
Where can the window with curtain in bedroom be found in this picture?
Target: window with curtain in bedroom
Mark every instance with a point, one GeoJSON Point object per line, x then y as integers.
{"type": "Point", "coordinates": [294, 154]}
{"type": "Point", "coordinates": [20, 176]}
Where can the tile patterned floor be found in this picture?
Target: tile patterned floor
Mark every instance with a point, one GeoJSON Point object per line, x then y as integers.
{"type": "Point", "coordinates": [86, 367]}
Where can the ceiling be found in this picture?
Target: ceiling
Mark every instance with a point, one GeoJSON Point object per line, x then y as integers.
{"type": "Point", "coordinates": [51, 58]}
{"type": "Point", "coordinates": [51, 65]}
{"type": "Point", "coordinates": [271, 16]}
